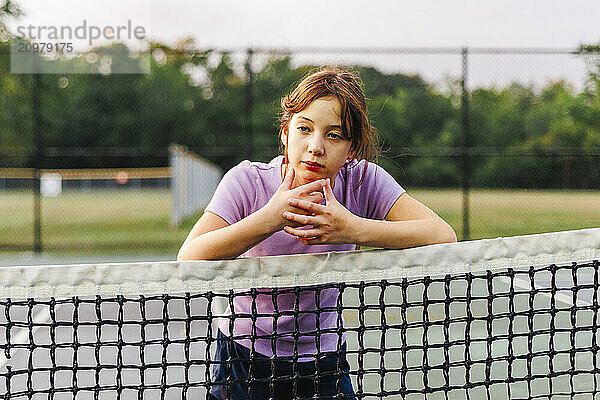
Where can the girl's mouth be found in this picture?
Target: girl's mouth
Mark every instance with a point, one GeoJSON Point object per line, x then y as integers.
{"type": "Point", "coordinates": [311, 166]}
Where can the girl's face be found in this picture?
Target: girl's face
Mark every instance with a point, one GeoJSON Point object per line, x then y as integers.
{"type": "Point", "coordinates": [315, 145]}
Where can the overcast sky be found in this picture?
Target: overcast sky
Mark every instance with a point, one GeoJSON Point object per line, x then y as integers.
{"type": "Point", "coordinates": [550, 23]}
{"type": "Point", "coordinates": [351, 23]}
{"type": "Point", "coordinates": [225, 23]}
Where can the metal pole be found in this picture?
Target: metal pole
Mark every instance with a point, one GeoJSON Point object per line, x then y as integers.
{"type": "Point", "coordinates": [249, 104]}
{"type": "Point", "coordinates": [37, 161]}
{"type": "Point", "coordinates": [466, 144]}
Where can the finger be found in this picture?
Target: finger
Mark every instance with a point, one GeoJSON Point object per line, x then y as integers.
{"type": "Point", "coordinates": [301, 233]}
{"type": "Point", "coordinates": [315, 186]}
{"type": "Point", "coordinates": [288, 180]}
{"type": "Point", "coordinates": [302, 219]}
{"type": "Point", "coordinates": [309, 241]}
{"type": "Point", "coordinates": [307, 205]}
{"type": "Point", "coordinates": [328, 191]}
{"type": "Point", "coordinates": [316, 197]}
{"type": "Point", "coordinates": [294, 224]}
{"type": "Point", "coordinates": [300, 211]}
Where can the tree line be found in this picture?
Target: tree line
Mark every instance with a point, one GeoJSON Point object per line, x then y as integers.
{"type": "Point", "coordinates": [210, 103]}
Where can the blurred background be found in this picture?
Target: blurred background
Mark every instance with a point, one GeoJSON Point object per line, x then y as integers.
{"type": "Point", "coordinates": [498, 140]}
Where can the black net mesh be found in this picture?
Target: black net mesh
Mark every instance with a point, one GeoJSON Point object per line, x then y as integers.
{"type": "Point", "coordinates": [519, 333]}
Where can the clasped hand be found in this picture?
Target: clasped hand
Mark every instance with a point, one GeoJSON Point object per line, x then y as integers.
{"type": "Point", "coordinates": [331, 223]}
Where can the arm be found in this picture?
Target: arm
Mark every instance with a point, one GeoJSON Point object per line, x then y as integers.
{"type": "Point", "coordinates": [212, 238]}
{"type": "Point", "coordinates": [409, 223]}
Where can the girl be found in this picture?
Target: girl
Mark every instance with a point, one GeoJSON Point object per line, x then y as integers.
{"type": "Point", "coordinates": [321, 195]}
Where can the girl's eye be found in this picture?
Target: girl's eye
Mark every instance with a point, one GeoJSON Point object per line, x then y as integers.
{"type": "Point", "coordinates": [304, 128]}
{"type": "Point", "coordinates": [335, 136]}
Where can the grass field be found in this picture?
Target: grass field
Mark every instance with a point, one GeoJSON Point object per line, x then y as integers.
{"type": "Point", "coordinates": [496, 213]}
{"type": "Point", "coordinates": [138, 221]}
{"type": "Point", "coordinates": [108, 221]}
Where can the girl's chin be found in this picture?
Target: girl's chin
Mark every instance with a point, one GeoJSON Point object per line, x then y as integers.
{"type": "Point", "coordinates": [311, 177]}
{"type": "Point", "coordinates": [307, 179]}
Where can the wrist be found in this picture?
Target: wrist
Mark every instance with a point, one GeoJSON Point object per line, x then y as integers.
{"type": "Point", "coordinates": [267, 223]}
{"type": "Point", "coordinates": [355, 228]}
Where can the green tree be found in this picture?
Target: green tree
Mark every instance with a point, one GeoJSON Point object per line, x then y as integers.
{"type": "Point", "coordinates": [415, 117]}
{"type": "Point", "coordinates": [15, 101]}
{"type": "Point", "coordinates": [9, 9]}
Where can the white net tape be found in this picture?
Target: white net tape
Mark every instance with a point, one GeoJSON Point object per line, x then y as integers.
{"type": "Point", "coordinates": [62, 281]}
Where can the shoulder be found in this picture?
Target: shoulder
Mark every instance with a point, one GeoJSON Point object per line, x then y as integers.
{"type": "Point", "coordinates": [373, 189]}
{"type": "Point", "coordinates": [254, 171]}
{"type": "Point", "coordinates": [255, 180]}
{"type": "Point", "coordinates": [243, 189]}
{"type": "Point", "coordinates": [365, 172]}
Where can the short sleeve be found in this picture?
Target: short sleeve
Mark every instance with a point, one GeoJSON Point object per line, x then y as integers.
{"type": "Point", "coordinates": [378, 192]}
{"type": "Point", "coordinates": [235, 194]}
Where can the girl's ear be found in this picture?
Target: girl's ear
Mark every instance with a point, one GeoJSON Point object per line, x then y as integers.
{"type": "Point", "coordinates": [284, 133]}
{"type": "Point", "coordinates": [284, 140]}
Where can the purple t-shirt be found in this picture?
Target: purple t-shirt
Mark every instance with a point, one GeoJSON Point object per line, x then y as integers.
{"type": "Point", "coordinates": [246, 188]}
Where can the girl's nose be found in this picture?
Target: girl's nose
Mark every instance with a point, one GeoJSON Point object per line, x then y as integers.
{"type": "Point", "coordinates": [315, 146]}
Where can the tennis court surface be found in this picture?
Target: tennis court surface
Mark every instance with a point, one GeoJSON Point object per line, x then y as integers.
{"type": "Point", "coordinates": [490, 319]}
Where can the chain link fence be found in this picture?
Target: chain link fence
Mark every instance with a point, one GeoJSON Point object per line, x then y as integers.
{"type": "Point", "coordinates": [497, 141]}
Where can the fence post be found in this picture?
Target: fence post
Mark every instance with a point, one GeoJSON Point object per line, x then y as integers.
{"type": "Point", "coordinates": [466, 144]}
{"type": "Point", "coordinates": [37, 154]}
{"type": "Point", "coordinates": [249, 104]}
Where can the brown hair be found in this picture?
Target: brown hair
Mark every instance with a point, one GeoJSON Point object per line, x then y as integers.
{"type": "Point", "coordinates": [346, 86]}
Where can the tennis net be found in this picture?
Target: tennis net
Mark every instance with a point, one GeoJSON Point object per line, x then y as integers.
{"type": "Point", "coordinates": [490, 319]}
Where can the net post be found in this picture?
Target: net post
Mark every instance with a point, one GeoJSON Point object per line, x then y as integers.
{"type": "Point", "coordinates": [37, 143]}
{"type": "Point", "coordinates": [466, 143]}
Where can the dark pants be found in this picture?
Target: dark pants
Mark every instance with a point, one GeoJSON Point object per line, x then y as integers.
{"type": "Point", "coordinates": [328, 381]}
